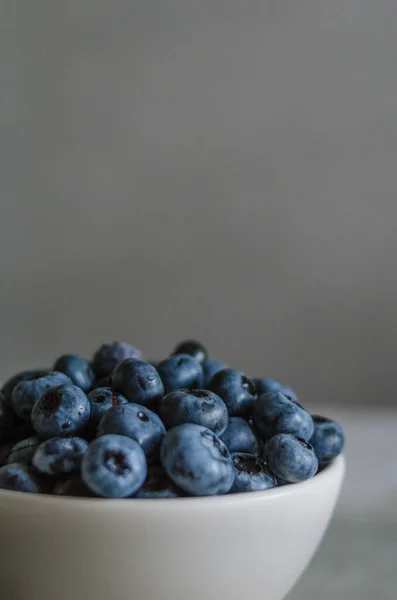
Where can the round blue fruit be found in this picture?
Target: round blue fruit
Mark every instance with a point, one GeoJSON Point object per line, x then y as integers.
{"type": "Point", "coordinates": [28, 391]}
{"type": "Point", "coordinates": [59, 455]}
{"type": "Point", "coordinates": [158, 485]}
{"type": "Point", "coordinates": [101, 399]}
{"type": "Point", "coordinates": [114, 466]}
{"type": "Point", "coordinates": [327, 440]}
{"type": "Point", "coordinates": [24, 450]}
{"type": "Point", "coordinates": [274, 413]}
{"type": "Point", "coordinates": [102, 383]}
{"type": "Point", "coordinates": [197, 461]}
{"type": "Point", "coordinates": [252, 474]}
{"type": "Point", "coordinates": [236, 390]}
{"type": "Point", "coordinates": [290, 459]}
{"type": "Point", "coordinates": [19, 478]}
{"type": "Point", "coordinates": [181, 371]}
{"type": "Point", "coordinates": [211, 366]}
{"type": "Point", "coordinates": [194, 406]}
{"type": "Point", "coordinates": [61, 411]}
{"type": "Point", "coordinates": [239, 437]}
{"type": "Point", "coordinates": [138, 381]}
{"type": "Point", "coordinates": [265, 385]}
{"type": "Point", "coordinates": [193, 348]}
{"type": "Point", "coordinates": [9, 385]}
{"type": "Point", "coordinates": [108, 356]}
{"type": "Point", "coordinates": [78, 369]}
{"type": "Point", "coordinates": [138, 423]}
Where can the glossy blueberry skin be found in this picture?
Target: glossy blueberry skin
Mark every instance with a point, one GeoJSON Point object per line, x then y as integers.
{"type": "Point", "coordinates": [8, 420]}
{"type": "Point", "coordinates": [19, 478]}
{"type": "Point", "coordinates": [59, 455]}
{"type": "Point", "coordinates": [327, 440]}
{"type": "Point", "coordinates": [24, 451]}
{"type": "Point", "coordinates": [274, 413]}
{"type": "Point", "coordinates": [252, 474]}
{"type": "Point", "coordinates": [101, 399]}
{"type": "Point", "coordinates": [264, 385]}
{"type": "Point", "coordinates": [28, 391]}
{"type": "Point", "coordinates": [290, 459]}
{"type": "Point", "coordinates": [197, 461]}
{"type": "Point", "coordinates": [236, 390]}
{"type": "Point", "coordinates": [138, 381]}
{"type": "Point", "coordinates": [181, 371]}
{"type": "Point", "coordinates": [61, 411]}
{"type": "Point", "coordinates": [108, 356]}
{"type": "Point", "coordinates": [193, 348]}
{"type": "Point", "coordinates": [138, 423]}
{"type": "Point", "coordinates": [239, 437]}
{"type": "Point", "coordinates": [158, 485]}
{"type": "Point", "coordinates": [72, 486]}
{"type": "Point", "coordinates": [78, 369]}
{"type": "Point", "coordinates": [194, 406]}
{"type": "Point", "coordinates": [22, 376]}
{"type": "Point", "coordinates": [211, 366]}
{"type": "Point", "coordinates": [114, 466]}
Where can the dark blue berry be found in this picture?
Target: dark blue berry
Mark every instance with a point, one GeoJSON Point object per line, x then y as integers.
{"type": "Point", "coordinates": [24, 450]}
{"type": "Point", "coordinates": [59, 455]}
{"type": "Point", "coordinates": [252, 474]}
{"type": "Point", "coordinates": [327, 440]}
{"type": "Point", "coordinates": [197, 460]}
{"type": "Point", "coordinates": [236, 390]}
{"type": "Point", "coordinates": [274, 413]}
{"type": "Point", "coordinates": [72, 486]}
{"type": "Point", "coordinates": [211, 366]}
{"type": "Point", "coordinates": [114, 466]}
{"type": "Point", "coordinates": [61, 411]}
{"type": "Point", "coordinates": [108, 356]}
{"type": "Point", "coordinates": [19, 478]}
{"type": "Point", "coordinates": [239, 437]}
{"type": "Point", "coordinates": [138, 381]}
{"type": "Point", "coordinates": [101, 399]}
{"type": "Point", "coordinates": [22, 376]}
{"type": "Point", "coordinates": [289, 458]}
{"type": "Point", "coordinates": [158, 485]}
{"type": "Point", "coordinates": [28, 391]}
{"type": "Point", "coordinates": [193, 348]}
{"type": "Point", "coordinates": [179, 372]}
{"type": "Point", "coordinates": [78, 369]}
{"type": "Point", "coordinates": [194, 406]}
{"type": "Point", "coordinates": [264, 385]}
{"type": "Point", "coordinates": [138, 423]}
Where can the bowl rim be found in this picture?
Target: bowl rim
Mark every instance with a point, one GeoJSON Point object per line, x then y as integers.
{"type": "Point", "coordinates": [334, 471]}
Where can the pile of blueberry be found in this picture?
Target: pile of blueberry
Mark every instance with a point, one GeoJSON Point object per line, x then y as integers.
{"type": "Point", "coordinates": [121, 427]}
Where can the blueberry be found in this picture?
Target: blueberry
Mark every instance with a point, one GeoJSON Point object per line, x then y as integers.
{"type": "Point", "coordinates": [114, 466]}
{"type": "Point", "coordinates": [22, 376]}
{"type": "Point", "coordinates": [8, 420]}
{"type": "Point", "coordinates": [59, 455]}
{"type": "Point", "coordinates": [78, 369]}
{"type": "Point", "coordinates": [138, 423]}
{"type": "Point", "coordinates": [274, 413]}
{"type": "Point", "coordinates": [5, 450]}
{"type": "Point", "coordinates": [239, 437]}
{"type": "Point", "coordinates": [327, 440]}
{"type": "Point", "coordinates": [197, 460]}
{"type": "Point", "coordinates": [210, 367]}
{"type": "Point", "coordinates": [138, 381]}
{"type": "Point", "coordinates": [158, 485]}
{"type": "Point", "coordinates": [193, 348]}
{"type": "Point", "coordinates": [101, 399]}
{"type": "Point", "coordinates": [61, 411]}
{"type": "Point", "coordinates": [236, 389]}
{"type": "Point", "coordinates": [289, 458]}
{"type": "Point", "coordinates": [266, 384]}
{"type": "Point", "coordinates": [19, 478]}
{"type": "Point", "coordinates": [28, 391]}
{"type": "Point", "coordinates": [72, 486]}
{"type": "Point", "coordinates": [194, 406]}
{"type": "Point", "coordinates": [24, 450]}
{"type": "Point", "coordinates": [179, 372]}
{"type": "Point", "coordinates": [252, 474]}
{"type": "Point", "coordinates": [108, 356]}
{"type": "Point", "coordinates": [103, 382]}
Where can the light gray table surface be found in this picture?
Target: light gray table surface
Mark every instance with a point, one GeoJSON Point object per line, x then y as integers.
{"type": "Point", "coordinates": [358, 559]}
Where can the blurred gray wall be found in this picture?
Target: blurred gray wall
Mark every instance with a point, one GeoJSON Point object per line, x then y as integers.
{"type": "Point", "coordinates": [218, 169]}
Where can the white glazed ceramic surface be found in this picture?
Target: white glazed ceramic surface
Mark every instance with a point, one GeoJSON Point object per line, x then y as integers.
{"type": "Point", "coordinates": [252, 546]}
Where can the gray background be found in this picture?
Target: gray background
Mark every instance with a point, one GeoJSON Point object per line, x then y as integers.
{"type": "Point", "coordinates": [218, 169]}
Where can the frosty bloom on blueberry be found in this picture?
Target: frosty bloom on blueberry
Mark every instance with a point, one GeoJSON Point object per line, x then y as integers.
{"type": "Point", "coordinates": [118, 426]}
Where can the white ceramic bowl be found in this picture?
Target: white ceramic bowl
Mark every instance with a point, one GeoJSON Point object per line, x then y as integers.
{"type": "Point", "coordinates": [252, 546]}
